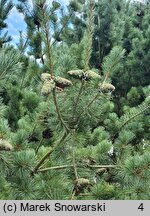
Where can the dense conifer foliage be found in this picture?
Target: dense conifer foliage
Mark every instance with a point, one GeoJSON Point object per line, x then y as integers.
{"type": "Point", "coordinates": [75, 101]}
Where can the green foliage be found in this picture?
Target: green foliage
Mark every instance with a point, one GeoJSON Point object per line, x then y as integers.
{"type": "Point", "coordinates": [30, 101]}
{"type": "Point", "coordinates": [135, 175]}
{"type": "Point", "coordinates": [110, 63]}
{"type": "Point", "coordinates": [74, 5]}
{"type": "Point", "coordinates": [5, 189]}
{"type": "Point", "coordinates": [87, 136]}
{"type": "Point", "coordinates": [9, 63]}
{"type": "Point", "coordinates": [5, 8]}
{"type": "Point", "coordinates": [103, 191]}
{"type": "Point", "coordinates": [134, 112]}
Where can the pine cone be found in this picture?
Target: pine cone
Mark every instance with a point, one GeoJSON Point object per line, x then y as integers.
{"type": "Point", "coordinates": [92, 75]}
{"type": "Point", "coordinates": [48, 87]}
{"type": "Point", "coordinates": [76, 73]}
{"type": "Point", "coordinates": [80, 74]}
{"type": "Point", "coordinates": [45, 76]}
{"type": "Point", "coordinates": [82, 182]}
{"type": "Point", "coordinates": [5, 145]}
{"type": "Point", "coordinates": [62, 82]}
{"type": "Point", "coordinates": [106, 87]}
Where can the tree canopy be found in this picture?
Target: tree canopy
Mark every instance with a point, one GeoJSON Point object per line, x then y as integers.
{"type": "Point", "coordinates": [75, 101]}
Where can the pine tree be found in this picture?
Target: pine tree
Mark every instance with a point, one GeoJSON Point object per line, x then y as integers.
{"type": "Point", "coordinates": [5, 8]}
{"type": "Point", "coordinates": [63, 134]}
{"type": "Point", "coordinates": [38, 15]}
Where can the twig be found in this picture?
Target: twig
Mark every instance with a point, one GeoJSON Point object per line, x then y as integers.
{"type": "Point", "coordinates": [55, 168]}
{"type": "Point", "coordinates": [74, 165]}
{"type": "Point", "coordinates": [49, 153]}
{"type": "Point", "coordinates": [101, 166]}
{"type": "Point", "coordinates": [62, 28]}
{"type": "Point", "coordinates": [49, 52]}
{"type": "Point", "coordinates": [78, 97]}
{"type": "Point", "coordinates": [71, 166]}
{"type": "Point", "coordinates": [40, 143]}
{"type": "Point", "coordinates": [73, 195]}
{"type": "Point", "coordinates": [85, 194]}
{"type": "Point", "coordinates": [58, 111]}
{"type": "Point", "coordinates": [88, 106]}
{"type": "Point", "coordinates": [92, 101]}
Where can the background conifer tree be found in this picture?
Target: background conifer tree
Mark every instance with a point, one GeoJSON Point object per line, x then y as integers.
{"type": "Point", "coordinates": [5, 8]}
{"type": "Point", "coordinates": [75, 125]}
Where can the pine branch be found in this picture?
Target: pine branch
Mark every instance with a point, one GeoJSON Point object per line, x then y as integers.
{"type": "Point", "coordinates": [88, 106]}
{"type": "Point", "coordinates": [58, 111]}
{"type": "Point", "coordinates": [101, 166]}
{"type": "Point", "coordinates": [49, 55]}
{"type": "Point", "coordinates": [131, 115]}
{"type": "Point", "coordinates": [62, 28]}
{"type": "Point", "coordinates": [111, 62]}
{"type": "Point", "coordinates": [5, 8]}
{"type": "Point", "coordinates": [49, 51]}
{"type": "Point", "coordinates": [71, 166]}
{"type": "Point", "coordinates": [40, 143]}
{"type": "Point", "coordinates": [78, 97]}
{"type": "Point", "coordinates": [74, 166]}
{"type": "Point", "coordinates": [134, 113]}
{"type": "Point", "coordinates": [88, 47]}
{"type": "Point", "coordinates": [9, 63]}
{"type": "Point", "coordinates": [89, 33]}
{"type": "Point", "coordinates": [55, 168]}
{"type": "Point", "coordinates": [49, 153]}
